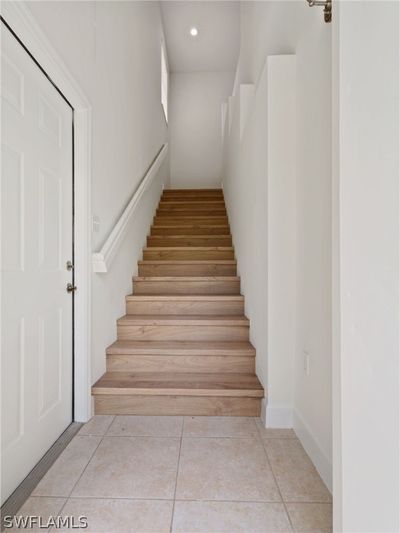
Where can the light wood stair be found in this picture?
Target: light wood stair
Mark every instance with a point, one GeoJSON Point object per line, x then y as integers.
{"type": "Point", "coordinates": [183, 346]}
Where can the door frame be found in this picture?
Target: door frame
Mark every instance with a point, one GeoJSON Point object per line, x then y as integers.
{"type": "Point", "coordinates": [23, 24]}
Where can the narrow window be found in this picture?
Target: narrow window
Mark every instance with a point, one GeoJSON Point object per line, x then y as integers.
{"type": "Point", "coordinates": [164, 83]}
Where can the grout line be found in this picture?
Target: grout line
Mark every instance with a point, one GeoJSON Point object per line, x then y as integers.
{"type": "Point", "coordinates": [87, 464]}
{"type": "Point", "coordinates": [178, 436]}
{"type": "Point", "coordinates": [257, 429]}
{"type": "Point", "coordinates": [137, 498]}
{"type": "Point", "coordinates": [142, 436]}
{"type": "Point", "coordinates": [278, 487]}
{"type": "Point", "coordinates": [177, 473]}
{"type": "Point", "coordinates": [149, 436]}
{"type": "Point", "coordinates": [100, 434]}
{"type": "Point", "coordinates": [109, 425]}
{"type": "Point", "coordinates": [246, 501]}
{"type": "Point", "coordinates": [221, 437]}
{"type": "Point", "coordinates": [79, 477]}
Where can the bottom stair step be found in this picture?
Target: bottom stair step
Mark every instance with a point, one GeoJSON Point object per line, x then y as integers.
{"type": "Point", "coordinates": [170, 393]}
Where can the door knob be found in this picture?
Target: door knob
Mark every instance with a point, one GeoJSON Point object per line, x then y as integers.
{"type": "Point", "coordinates": [71, 288]}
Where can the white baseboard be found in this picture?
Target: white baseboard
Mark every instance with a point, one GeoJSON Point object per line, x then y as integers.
{"type": "Point", "coordinates": [276, 417]}
{"type": "Point", "coordinates": [313, 449]}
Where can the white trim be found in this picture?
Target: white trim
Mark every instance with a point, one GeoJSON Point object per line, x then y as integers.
{"type": "Point", "coordinates": [279, 417]}
{"type": "Point", "coordinates": [20, 19]}
{"type": "Point", "coordinates": [276, 416]}
{"type": "Point", "coordinates": [263, 414]}
{"type": "Point", "coordinates": [101, 260]}
{"type": "Point", "coordinates": [313, 449]}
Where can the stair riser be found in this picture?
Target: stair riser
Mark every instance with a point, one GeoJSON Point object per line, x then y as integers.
{"type": "Point", "coordinates": [183, 333]}
{"type": "Point", "coordinates": [185, 308]}
{"type": "Point", "coordinates": [190, 220]}
{"type": "Point", "coordinates": [192, 212]}
{"type": "Point", "coordinates": [187, 270]}
{"type": "Point", "coordinates": [176, 200]}
{"type": "Point", "coordinates": [208, 190]}
{"type": "Point", "coordinates": [189, 241]}
{"type": "Point", "coordinates": [189, 204]}
{"type": "Point", "coordinates": [192, 194]}
{"type": "Point", "coordinates": [176, 405]}
{"type": "Point", "coordinates": [173, 200]}
{"type": "Point", "coordinates": [186, 287]}
{"type": "Point", "coordinates": [190, 255]}
{"type": "Point", "coordinates": [179, 363]}
{"type": "Point", "coordinates": [182, 230]}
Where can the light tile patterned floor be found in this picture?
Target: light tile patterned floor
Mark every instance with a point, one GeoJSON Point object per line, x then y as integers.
{"type": "Point", "coordinates": [152, 474]}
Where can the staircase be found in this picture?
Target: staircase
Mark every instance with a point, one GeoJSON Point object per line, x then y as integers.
{"type": "Point", "coordinates": [183, 346]}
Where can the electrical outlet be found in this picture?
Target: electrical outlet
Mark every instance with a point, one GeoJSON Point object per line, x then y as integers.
{"type": "Point", "coordinates": [306, 363]}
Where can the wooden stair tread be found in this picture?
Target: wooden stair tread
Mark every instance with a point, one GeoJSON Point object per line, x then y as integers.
{"type": "Point", "coordinates": [160, 226]}
{"type": "Point", "coordinates": [183, 320]}
{"type": "Point", "coordinates": [185, 298]}
{"type": "Point", "coordinates": [185, 384]}
{"type": "Point", "coordinates": [190, 248]}
{"type": "Point", "coordinates": [173, 202]}
{"type": "Point", "coordinates": [182, 348]}
{"type": "Point", "coordinates": [191, 227]}
{"type": "Point", "coordinates": [194, 217]}
{"type": "Point", "coordinates": [188, 262]}
{"type": "Point", "coordinates": [166, 241]}
{"type": "Point", "coordinates": [190, 202]}
{"type": "Point", "coordinates": [192, 220]}
{"type": "Point", "coordinates": [183, 266]}
{"type": "Point", "coordinates": [186, 278]}
{"type": "Point", "coordinates": [197, 236]}
{"type": "Point", "coordinates": [192, 190]}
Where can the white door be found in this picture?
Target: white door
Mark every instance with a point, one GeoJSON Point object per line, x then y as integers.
{"type": "Point", "coordinates": [36, 243]}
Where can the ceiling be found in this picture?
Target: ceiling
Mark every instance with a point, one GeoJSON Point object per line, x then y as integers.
{"type": "Point", "coordinates": [216, 47]}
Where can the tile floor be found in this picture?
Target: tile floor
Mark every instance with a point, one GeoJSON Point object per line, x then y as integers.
{"type": "Point", "coordinates": [154, 474]}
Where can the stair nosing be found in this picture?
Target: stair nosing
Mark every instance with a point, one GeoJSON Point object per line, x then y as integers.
{"type": "Point", "coordinates": [191, 248]}
{"type": "Point", "coordinates": [188, 279]}
{"type": "Point", "coordinates": [188, 262]}
{"type": "Point", "coordinates": [185, 297]}
{"type": "Point", "coordinates": [184, 320]}
{"type": "Point", "coordinates": [198, 236]}
{"type": "Point", "coordinates": [136, 391]}
{"type": "Point", "coordinates": [182, 348]}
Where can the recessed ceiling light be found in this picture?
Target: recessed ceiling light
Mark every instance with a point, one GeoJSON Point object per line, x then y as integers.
{"type": "Point", "coordinates": [194, 32]}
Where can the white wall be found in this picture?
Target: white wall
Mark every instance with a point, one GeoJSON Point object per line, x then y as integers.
{"type": "Point", "coordinates": [112, 49]}
{"type": "Point", "coordinates": [366, 215]}
{"type": "Point", "coordinates": [270, 28]}
{"type": "Point", "coordinates": [281, 240]}
{"type": "Point", "coordinates": [195, 127]}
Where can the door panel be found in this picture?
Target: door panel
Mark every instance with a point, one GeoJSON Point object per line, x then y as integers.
{"type": "Point", "coordinates": [36, 243]}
